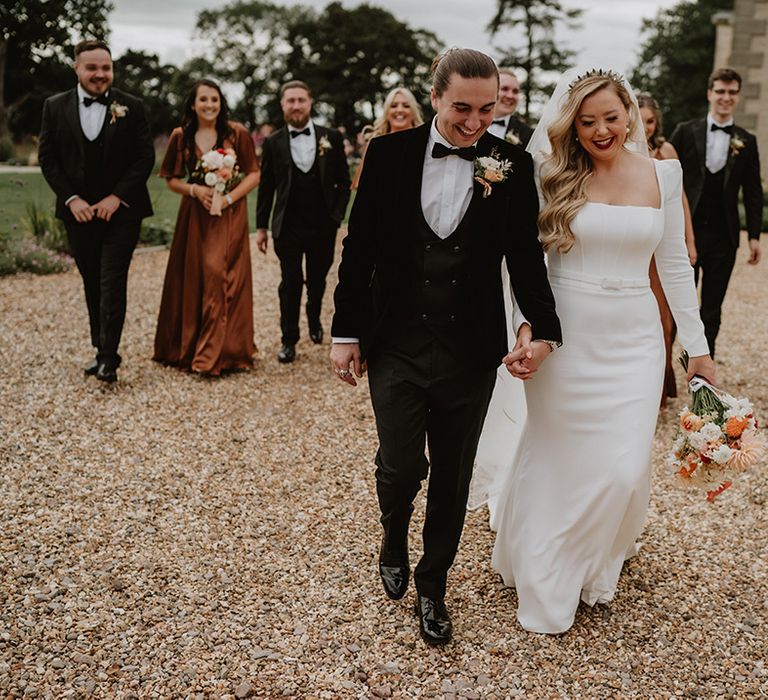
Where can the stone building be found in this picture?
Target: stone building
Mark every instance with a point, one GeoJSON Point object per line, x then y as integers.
{"type": "Point", "coordinates": [742, 44]}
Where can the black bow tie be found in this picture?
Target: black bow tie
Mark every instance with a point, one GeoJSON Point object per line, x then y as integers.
{"type": "Point", "coordinates": [300, 132]}
{"type": "Point", "coordinates": [716, 127]}
{"type": "Point", "coordinates": [500, 122]}
{"type": "Point", "coordinates": [441, 151]}
{"type": "Point", "coordinates": [101, 99]}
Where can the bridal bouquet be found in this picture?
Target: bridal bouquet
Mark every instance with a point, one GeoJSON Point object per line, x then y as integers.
{"type": "Point", "coordinates": [718, 438]}
{"type": "Point", "coordinates": [217, 169]}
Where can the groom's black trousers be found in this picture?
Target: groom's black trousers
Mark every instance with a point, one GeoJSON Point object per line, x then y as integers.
{"type": "Point", "coordinates": [103, 251]}
{"type": "Point", "coordinates": [435, 397]}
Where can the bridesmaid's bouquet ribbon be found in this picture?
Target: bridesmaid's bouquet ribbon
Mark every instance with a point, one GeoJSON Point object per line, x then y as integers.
{"type": "Point", "coordinates": [217, 169]}
{"type": "Point", "coordinates": [717, 439]}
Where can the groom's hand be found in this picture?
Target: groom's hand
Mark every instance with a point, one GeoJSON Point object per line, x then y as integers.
{"type": "Point", "coordinates": [107, 207]}
{"type": "Point", "coordinates": [342, 356]}
{"type": "Point", "coordinates": [81, 210]}
{"type": "Point", "coordinates": [514, 360]}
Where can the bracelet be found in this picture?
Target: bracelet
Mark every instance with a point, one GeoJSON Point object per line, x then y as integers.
{"type": "Point", "coordinates": [192, 190]}
{"type": "Point", "coordinates": [228, 197]}
{"type": "Point", "coordinates": [553, 344]}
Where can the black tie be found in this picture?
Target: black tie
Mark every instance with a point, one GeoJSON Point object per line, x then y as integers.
{"type": "Point", "coordinates": [500, 122]}
{"type": "Point", "coordinates": [441, 151]}
{"type": "Point", "coordinates": [716, 127]}
{"type": "Point", "coordinates": [101, 99]}
{"type": "Point", "coordinates": [305, 132]}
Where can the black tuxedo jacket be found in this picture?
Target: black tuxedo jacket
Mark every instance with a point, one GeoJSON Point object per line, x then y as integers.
{"type": "Point", "coordinates": [742, 170]}
{"type": "Point", "coordinates": [522, 129]}
{"type": "Point", "coordinates": [277, 171]}
{"type": "Point", "coordinates": [129, 154]}
{"type": "Point", "coordinates": [383, 214]}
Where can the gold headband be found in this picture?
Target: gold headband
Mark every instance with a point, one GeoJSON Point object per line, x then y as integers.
{"type": "Point", "coordinates": [614, 77]}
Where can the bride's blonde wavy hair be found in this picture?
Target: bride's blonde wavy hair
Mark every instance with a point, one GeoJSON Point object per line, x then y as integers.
{"type": "Point", "coordinates": [566, 170]}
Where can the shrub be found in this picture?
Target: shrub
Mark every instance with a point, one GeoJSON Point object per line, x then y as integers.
{"type": "Point", "coordinates": [45, 229]}
{"type": "Point", "coordinates": [33, 257]}
{"type": "Point", "coordinates": [156, 232]}
{"type": "Point", "coordinates": [6, 149]}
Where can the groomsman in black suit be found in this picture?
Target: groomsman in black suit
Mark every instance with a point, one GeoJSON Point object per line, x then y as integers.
{"type": "Point", "coordinates": [506, 125]}
{"type": "Point", "coordinates": [420, 300]}
{"type": "Point", "coordinates": [304, 172]}
{"type": "Point", "coordinates": [718, 159]}
{"type": "Point", "coordinates": [96, 153]}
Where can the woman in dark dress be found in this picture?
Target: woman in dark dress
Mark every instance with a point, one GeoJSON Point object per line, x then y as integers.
{"type": "Point", "coordinates": [205, 323]}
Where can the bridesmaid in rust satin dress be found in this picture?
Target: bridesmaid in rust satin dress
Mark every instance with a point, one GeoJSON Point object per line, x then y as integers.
{"type": "Point", "coordinates": [205, 323]}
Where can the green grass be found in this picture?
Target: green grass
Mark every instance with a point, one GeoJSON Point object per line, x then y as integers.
{"type": "Point", "coordinates": [18, 189]}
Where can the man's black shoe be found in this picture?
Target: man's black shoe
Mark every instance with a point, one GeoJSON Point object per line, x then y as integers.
{"type": "Point", "coordinates": [434, 621]}
{"type": "Point", "coordinates": [395, 580]}
{"type": "Point", "coordinates": [105, 373]}
{"type": "Point", "coordinates": [287, 353]}
{"type": "Point", "coordinates": [90, 369]}
{"type": "Point", "coordinates": [316, 335]}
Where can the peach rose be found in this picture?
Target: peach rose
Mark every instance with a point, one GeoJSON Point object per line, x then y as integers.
{"type": "Point", "coordinates": [494, 175]}
{"type": "Point", "coordinates": [691, 422]}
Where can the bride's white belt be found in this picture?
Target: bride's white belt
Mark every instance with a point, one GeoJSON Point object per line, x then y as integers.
{"type": "Point", "coordinates": [609, 283]}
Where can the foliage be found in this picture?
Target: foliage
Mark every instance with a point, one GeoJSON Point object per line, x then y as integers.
{"type": "Point", "coordinates": [36, 258]}
{"type": "Point", "coordinates": [45, 228]}
{"type": "Point", "coordinates": [154, 232]}
{"type": "Point", "coordinates": [540, 52]}
{"type": "Point", "coordinates": [36, 42]}
{"type": "Point", "coordinates": [353, 57]}
{"type": "Point", "coordinates": [350, 58]}
{"type": "Point", "coordinates": [6, 148]}
{"type": "Point", "coordinates": [676, 58]}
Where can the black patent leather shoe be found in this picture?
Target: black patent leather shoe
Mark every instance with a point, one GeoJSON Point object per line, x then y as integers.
{"type": "Point", "coordinates": [316, 335]}
{"type": "Point", "coordinates": [287, 353]}
{"type": "Point", "coordinates": [434, 621]}
{"type": "Point", "coordinates": [105, 373]}
{"type": "Point", "coordinates": [395, 580]}
{"type": "Point", "coordinates": [90, 369]}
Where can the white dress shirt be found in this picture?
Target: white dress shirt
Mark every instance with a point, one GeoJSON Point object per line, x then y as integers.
{"type": "Point", "coordinates": [91, 118]}
{"type": "Point", "coordinates": [718, 144]}
{"type": "Point", "coordinates": [446, 187]}
{"type": "Point", "coordinates": [500, 130]}
{"type": "Point", "coordinates": [303, 147]}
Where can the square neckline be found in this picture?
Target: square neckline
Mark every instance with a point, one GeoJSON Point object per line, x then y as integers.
{"type": "Point", "coordinates": [640, 206]}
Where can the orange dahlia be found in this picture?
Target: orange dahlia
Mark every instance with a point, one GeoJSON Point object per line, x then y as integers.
{"type": "Point", "coordinates": [735, 426]}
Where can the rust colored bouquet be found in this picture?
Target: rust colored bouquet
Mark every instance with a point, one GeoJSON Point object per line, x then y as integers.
{"type": "Point", "coordinates": [718, 438]}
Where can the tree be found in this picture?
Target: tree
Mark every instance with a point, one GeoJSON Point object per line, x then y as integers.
{"type": "Point", "coordinates": [353, 57]}
{"type": "Point", "coordinates": [540, 52]}
{"type": "Point", "coordinates": [677, 57]}
{"type": "Point", "coordinates": [163, 88]}
{"type": "Point", "coordinates": [36, 41]}
{"type": "Point", "coordinates": [350, 58]}
{"type": "Point", "coordinates": [249, 47]}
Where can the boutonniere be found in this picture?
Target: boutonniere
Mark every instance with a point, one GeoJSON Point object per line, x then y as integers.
{"type": "Point", "coordinates": [323, 146]}
{"type": "Point", "coordinates": [491, 170]}
{"type": "Point", "coordinates": [513, 137]}
{"type": "Point", "coordinates": [117, 111]}
{"type": "Point", "coordinates": [736, 145]}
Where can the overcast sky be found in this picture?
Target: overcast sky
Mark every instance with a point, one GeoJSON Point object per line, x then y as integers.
{"type": "Point", "coordinates": [609, 36]}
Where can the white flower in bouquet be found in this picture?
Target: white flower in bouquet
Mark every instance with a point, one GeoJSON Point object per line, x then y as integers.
{"type": "Point", "coordinates": [721, 455]}
{"type": "Point", "coordinates": [211, 179]}
{"type": "Point", "coordinates": [740, 408]}
{"type": "Point", "coordinates": [228, 161]}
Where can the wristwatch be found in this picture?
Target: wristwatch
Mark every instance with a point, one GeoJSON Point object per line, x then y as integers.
{"type": "Point", "coordinates": [228, 197]}
{"type": "Point", "coordinates": [553, 344]}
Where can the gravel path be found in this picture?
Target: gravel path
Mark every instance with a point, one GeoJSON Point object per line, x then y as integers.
{"type": "Point", "coordinates": [177, 537]}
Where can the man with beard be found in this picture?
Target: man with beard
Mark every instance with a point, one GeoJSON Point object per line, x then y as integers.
{"type": "Point", "coordinates": [96, 154]}
{"type": "Point", "coordinates": [305, 186]}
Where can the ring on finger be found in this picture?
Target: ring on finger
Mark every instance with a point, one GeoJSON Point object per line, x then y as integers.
{"type": "Point", "coordinates": [343, 373]}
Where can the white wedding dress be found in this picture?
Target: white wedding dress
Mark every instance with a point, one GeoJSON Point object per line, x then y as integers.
{"type": "Point", "coordinates": [569, 508]}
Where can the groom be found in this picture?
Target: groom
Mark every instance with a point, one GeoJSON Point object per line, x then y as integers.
{"type": "Point", "coordinates": [96, 154]}
{"type": "Point", "coordinates": [420, 300]}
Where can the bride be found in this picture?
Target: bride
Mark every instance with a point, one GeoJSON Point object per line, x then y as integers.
{"type": "Point", "coordinates": [569, 510]}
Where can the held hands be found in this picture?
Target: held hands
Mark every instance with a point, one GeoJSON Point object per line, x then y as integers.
{"type": "Point", "coordinates": [527, 355]}
{"type": "Point", "coordinates": [205, 196]}
{"type": "Point", "coordinates": [703, 366]}
{"type": "Point", "coordinates": [104, 209]}
{"type": "Point", "coordinates": [755, 254]}
{"type": "Point", "coordinates": [342, 356]}
{"type": "Point", "coordinates": [693, 255]}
